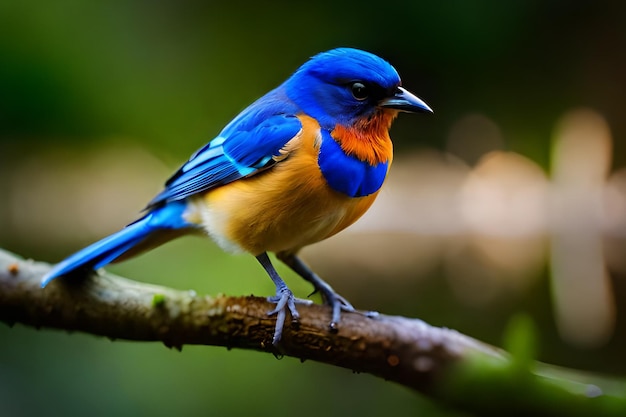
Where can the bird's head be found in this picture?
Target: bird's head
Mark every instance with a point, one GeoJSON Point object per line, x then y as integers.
{"type": "Point", "coordinates": [348, 86]}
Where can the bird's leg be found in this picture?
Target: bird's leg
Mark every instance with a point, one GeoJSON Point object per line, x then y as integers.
{"type": "Point", "coordinates": [329, 296]}
{"type": "Point", "coordinates": [284, 298]}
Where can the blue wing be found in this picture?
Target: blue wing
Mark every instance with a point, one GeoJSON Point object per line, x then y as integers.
{"type": "Point", "coordinates": [247, 145]}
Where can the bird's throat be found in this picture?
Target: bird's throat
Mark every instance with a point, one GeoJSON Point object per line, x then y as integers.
{"type": "Point", "coordinates": [368, 139]}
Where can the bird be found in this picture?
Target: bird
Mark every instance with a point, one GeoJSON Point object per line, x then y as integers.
{"type": "Point", "coordinates": [295, 167]}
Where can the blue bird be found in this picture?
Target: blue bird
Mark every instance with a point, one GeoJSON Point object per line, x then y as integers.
{"type": "Point", "coordinates": [297, 166]}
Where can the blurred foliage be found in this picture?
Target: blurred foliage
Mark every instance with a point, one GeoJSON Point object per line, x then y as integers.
{"type": "Point", "coordinates": [167, 75]}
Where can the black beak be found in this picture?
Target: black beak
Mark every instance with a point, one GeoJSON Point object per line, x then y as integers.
{"type": "Point", "coordinates": [406, 101]}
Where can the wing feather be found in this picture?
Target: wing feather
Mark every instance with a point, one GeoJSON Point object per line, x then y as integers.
{"type": "Point", "coordinates": [251, 143]}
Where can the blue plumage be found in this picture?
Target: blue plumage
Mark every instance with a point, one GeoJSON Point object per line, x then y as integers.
{"type": "Point", "coordinates": [346, 173]}
{"type": "Point", "coordinates": [320, 85]}
{"type": "Point", "coordinates": [244, 147]}
{"type": "Point", "coordinates": [166, 219]}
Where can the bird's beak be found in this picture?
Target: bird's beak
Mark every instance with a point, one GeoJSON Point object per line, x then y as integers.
{"type": "Point", "coordinates": [406, 101]}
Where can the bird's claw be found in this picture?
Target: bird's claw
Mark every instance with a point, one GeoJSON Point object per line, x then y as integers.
{"type": "Point", "coordinates": [285, 300]}
{"type": "Point", "coordinates": [340, 304]}
{"type": "Point", "coordinates": [371, 314]}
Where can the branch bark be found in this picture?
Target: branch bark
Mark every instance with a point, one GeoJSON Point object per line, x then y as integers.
{"type": "Point", "coordinates": [410, 352]}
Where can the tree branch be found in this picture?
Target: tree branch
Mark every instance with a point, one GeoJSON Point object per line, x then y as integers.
{"type": "Point", "coordinates": [407, 351]}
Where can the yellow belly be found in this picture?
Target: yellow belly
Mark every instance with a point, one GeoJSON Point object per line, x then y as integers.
{"type": "Point", "coordinates": [282, 209]}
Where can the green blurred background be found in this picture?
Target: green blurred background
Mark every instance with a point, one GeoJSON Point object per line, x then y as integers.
{"type": "Point", "coordinates": [100, 101]}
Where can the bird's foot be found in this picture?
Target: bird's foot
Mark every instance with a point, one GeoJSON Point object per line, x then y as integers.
{"type": "Point", "coordinates": [339, 304]}
{"type": "Point", "coordinates": [285, 300]}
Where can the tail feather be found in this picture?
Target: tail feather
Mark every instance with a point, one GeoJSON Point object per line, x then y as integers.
{"type": "Point", "coordinates": [155, 228]}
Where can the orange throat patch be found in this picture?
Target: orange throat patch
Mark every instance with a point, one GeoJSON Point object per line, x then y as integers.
{"type": "Point", "coordinates": [368, 139]}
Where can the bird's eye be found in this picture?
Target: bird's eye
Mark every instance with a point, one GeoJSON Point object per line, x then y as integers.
{"type": "Point", "coordinates": [359, 91]}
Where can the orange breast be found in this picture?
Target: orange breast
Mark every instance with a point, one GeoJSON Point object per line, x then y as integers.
{"type": "Point", "coordinates": [369, 139]}
{"type": "Point", "coordinates": [282, 209]}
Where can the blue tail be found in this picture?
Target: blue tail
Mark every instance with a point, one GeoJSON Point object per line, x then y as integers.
{"type": "Point", "coordinates": [156, 227]}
